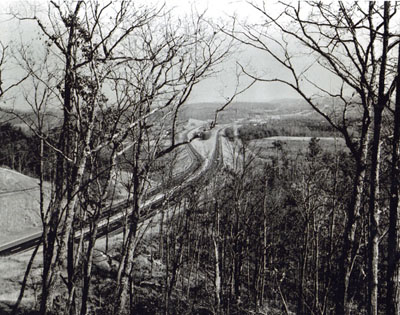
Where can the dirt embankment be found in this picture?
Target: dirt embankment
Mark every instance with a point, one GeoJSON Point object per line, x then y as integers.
{"type": "Point", "coordinates": [19, 205]}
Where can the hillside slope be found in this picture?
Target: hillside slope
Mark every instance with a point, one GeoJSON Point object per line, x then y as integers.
{"type": "Point", "coordinates": [19, 205]}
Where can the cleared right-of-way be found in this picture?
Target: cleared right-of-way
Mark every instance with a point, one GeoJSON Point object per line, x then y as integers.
{"type": "Point", "coordinates": [112, 218]}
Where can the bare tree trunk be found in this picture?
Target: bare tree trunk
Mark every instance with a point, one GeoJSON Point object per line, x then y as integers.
{"type": "Point", "coordinates": [264, 246]}
{"type": "Point", "coordinates": [217, 277]}
{"type": "Point", "coordinates": [125, 266]}
{"type": "Point", "coordinates": [303, 269]}
{"type": "Point", "coordinates": [49, 242]}
{"type": "Point", "coordinates": [374, 211]}
{"type": "Point", "coordinates": [25, 280]}
{"type": "Point", "coordinates": [316, 262]}
{"type": "Point", "coordinates": [374, 233]}
{"type": "Point", "coordinates": [345, 262]}
{"type": "Point", "coordinates": [124, 270]}
{"type": "Point", "coordinates": [50, 261]}
{"type": "Point", "coordinates": [87, 272]}
{"type": "Point", "coordinates": [393, 274]}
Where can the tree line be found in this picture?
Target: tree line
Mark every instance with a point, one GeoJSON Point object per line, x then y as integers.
{"type": "Point", "coordinates": [292, 127]}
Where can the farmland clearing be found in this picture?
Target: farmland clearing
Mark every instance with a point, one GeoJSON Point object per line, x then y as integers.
{"type": "Point", "coordinates": [267, 148]}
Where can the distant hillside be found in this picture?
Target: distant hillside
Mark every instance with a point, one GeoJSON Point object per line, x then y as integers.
{"type": "Point", "coordinates": [283, 105]}
{"type": "Point", "coordinates": [283, 108]}
{"type": "Point", "coordinates": [245, 110]}
{"type": "Point", "coordinates": [22, 119]}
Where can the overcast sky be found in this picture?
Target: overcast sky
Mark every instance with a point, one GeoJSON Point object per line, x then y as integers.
{"type": "Point", "coordinates": [222, 85]}
{"type": "Point", "coordinates": [215, 89]}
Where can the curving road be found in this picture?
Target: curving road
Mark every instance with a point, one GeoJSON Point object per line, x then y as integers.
{"type": "Point", "coordinates": [112, 218]}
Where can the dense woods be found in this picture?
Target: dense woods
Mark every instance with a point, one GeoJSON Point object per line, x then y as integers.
{"type": "Point", "coordinates": [268, 240]}
{"type": "Point", "coordinates": [316, 232]}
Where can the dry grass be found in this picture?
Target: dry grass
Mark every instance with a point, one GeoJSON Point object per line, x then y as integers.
{"type": "Point", "coordinates": [12, 270]}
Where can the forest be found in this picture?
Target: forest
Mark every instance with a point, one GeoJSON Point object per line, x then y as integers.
{"type": "Point", "coordinates": [313, 233]}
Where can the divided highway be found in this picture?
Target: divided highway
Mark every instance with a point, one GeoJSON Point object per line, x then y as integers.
{"type": "Point", "coordinates": [112, 218]}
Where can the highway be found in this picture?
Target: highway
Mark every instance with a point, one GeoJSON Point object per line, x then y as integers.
{"type": "Point", "coordinates": [112, 217]}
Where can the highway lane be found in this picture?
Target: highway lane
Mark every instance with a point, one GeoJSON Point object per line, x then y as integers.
{"type": "Point", "coordinates": [112, 219]}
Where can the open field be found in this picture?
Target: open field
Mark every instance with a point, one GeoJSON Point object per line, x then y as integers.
{"type": "Point", "coordinates": [266, 148]}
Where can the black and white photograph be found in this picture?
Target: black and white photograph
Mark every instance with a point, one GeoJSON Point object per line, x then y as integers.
{"type": "Point", "coordinates": [205, 157]}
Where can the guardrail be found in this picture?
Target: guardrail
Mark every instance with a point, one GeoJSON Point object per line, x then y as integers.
{"type": "Point", "coordinates": [20, 244]}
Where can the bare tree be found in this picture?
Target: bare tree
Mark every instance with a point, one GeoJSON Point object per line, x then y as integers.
{"type": "Point", "coordinates": [10, 82]}
{"type": "Point", "coordinates": [393, 274]}
{"type": "Point", "coordinates": [2, 61]}
{"type": "Point", "coordinates": [4, 89]}
{"type": "Point", "coordinates": [352, 43]}
{"type": "Point", "coordinates": [380, 102]}
{"type": "Point", "coordinates": [181, 57]}
{"type": "Point", "coordinates": [115, 70]}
